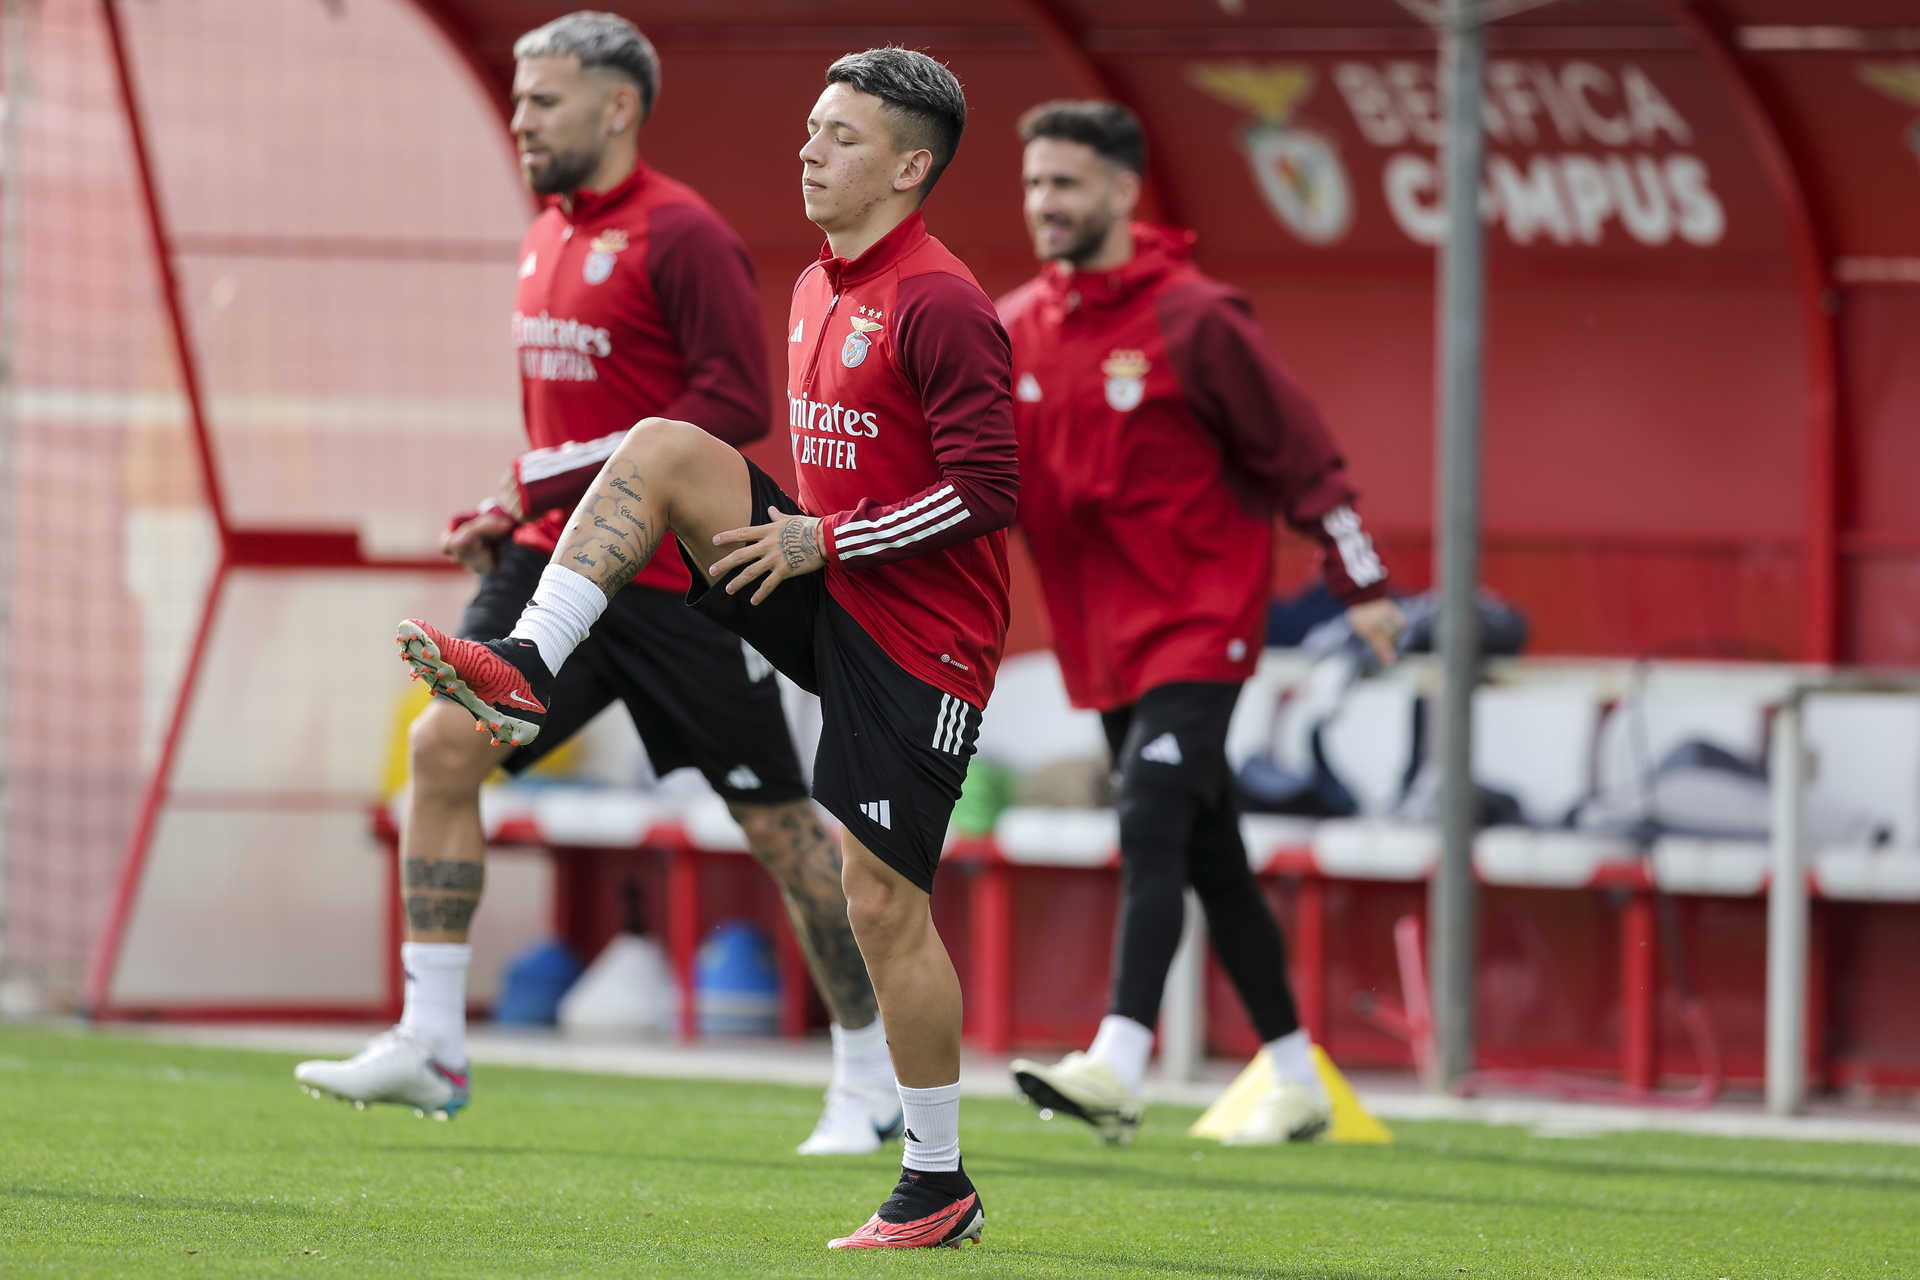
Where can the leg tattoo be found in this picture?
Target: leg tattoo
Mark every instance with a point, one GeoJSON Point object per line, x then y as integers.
{"type": "Point", "coordinates": [441, 896]}
{"type": "Point", "coordinates": [614, 531]}
{"type": "Point", "coordinates": [805, 862]}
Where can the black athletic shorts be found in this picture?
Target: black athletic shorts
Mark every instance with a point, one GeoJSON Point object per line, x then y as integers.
{"type": "Point", "coordinates": [697, 695]}
{"type": "Point", "coordinates": [893, 748]}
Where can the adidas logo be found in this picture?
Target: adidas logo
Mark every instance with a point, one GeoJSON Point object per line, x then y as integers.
{"type": "Point", "coordinates": [797, 326]}
{"type": "Point", "coordinates": [880, 811]}
{"type": "Point", "coordinates": [741, 778]}
{"type": "Point", "coordinates": [912, 1137]}
{"type": "Point", "coordinates": [1164, 749]}
{"type": "Point", "coordinates": [1029, 389]}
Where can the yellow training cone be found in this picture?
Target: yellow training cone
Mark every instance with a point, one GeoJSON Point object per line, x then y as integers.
{"type": "Point", "coordinates": [1351, 1121]}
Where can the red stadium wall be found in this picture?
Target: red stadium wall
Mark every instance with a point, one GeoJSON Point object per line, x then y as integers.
{"type": "Point", "coordinates": [1650, 485]}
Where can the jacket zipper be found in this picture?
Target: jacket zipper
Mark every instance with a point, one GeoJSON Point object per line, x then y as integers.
{"type": "Point", "coordinates": [819, 340]}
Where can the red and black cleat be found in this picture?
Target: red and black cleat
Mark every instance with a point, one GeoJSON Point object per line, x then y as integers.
{"type": "Point", "coordinates": [925, 1211]}
{"type": "Point", "coordinates": [503, 683]}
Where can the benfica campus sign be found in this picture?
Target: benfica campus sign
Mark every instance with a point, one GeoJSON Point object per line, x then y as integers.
{"type": "Point", "coordinates": [1578, 152]}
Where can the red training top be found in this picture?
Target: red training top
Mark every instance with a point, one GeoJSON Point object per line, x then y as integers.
{"type": "Point", "coordinates": [903, 441]}
{"type": "Point", "coordinates": [638, 302]}
{"type": "Point", "coordinates": [1158, 438]}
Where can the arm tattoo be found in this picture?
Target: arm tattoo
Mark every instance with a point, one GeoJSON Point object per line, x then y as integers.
{"type": "Point", "coordinates": [620, 486]}
{"type": "Point", "coordinates": [615, 552]}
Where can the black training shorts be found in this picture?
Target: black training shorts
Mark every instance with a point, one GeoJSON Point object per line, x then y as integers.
{"type": "Point", "coordinates": [698, 695]}
{"type": "Point", "coordinates": [893, 748]}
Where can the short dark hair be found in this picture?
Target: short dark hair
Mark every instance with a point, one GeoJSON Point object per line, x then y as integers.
{"type": "Point", "coordinates": [923, 97]}
{"type": "Point", "coordinates": [599, 40]}
{"type": "Point", "coordinates": [1109, 128]}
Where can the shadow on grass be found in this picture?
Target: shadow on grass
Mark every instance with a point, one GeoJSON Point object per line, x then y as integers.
{"type": "Point", "coordinates": [1144, 1178]}
{"type": "Point", "coordinates": [133, 1200]}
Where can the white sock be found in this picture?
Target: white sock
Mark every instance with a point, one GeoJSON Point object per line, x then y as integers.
{"type": "Point", "coordinates": [563, 609]}
{"type": "Point", "coordinates": [933, 1128]}
{"type": "Point", "coordinates": [1123, 1045]}
{"type": "Point", "coordinates": [860, 1060]}
{"type": "Point", "coordinates": [1292, 1059]}
{"type": "Point", "coordinates": [436, 1008]}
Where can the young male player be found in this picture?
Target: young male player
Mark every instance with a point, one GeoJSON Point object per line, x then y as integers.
{"type": "Point", "coordinates": [883, 587]}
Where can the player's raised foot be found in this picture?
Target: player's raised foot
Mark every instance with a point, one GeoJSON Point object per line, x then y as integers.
{"type": "Point", "coordinates": [925, 1211]}
{"type": "Point", "coordinates": [394, 1068]}
{"type": "Point", "coordinates": [1286, 1112]}
{"type": "Point", "coordinates": [503, 683]}
{"type": "Point", "coordinates": [854, 1124]}
{"type": "Point", "coordinates": [1082, 1087]}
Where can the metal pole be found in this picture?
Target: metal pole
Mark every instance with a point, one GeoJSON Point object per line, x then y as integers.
{"type": "Point", "coordinates": [13, 81]}
{"type": "Point", "coordinates": [1183, 1013]}
{"type": "Point", "coordinates": [1451, 906]}
{"type": "Point", "coordinates": [1787, 921]}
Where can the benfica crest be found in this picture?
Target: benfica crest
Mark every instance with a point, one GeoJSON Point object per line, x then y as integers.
{"type": "Point", "coordinates": [1298, 171]}
{"type": "Point", "coordinates": [1126, 379]}
{"type": "Point", "coordinates": [599, 263]}
{"type": "Point", "coordinates": [854, 350]}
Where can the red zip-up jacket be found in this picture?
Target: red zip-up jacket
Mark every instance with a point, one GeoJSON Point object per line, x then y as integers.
{"type": "Point", "coordinates": [636, 302]}
{"type": "Point", "coordinates": [903, 442]}
{"type": "Point", "coordinates": [1159, 436]}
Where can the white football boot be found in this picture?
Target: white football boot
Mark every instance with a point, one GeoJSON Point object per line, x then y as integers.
{"type": "Point", "coordinates": [395, 1068]}
{"type": "Point", "coordinates": [1286, 1112]}
{"type": "Point", "coordinates": [1084, 1087]}
{"type": "Point", "coordinates": [854, 1124]}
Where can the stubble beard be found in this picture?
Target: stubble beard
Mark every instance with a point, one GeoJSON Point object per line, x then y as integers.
{"type": "Point", "coordinates": [1089, 237]}
{"type": "Point", "coordinates": [564, 174]}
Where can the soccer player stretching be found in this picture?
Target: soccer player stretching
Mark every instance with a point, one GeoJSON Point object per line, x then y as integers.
{"type": "Point", "coordinates": [633, 298]}
{"type": "Point", "coordinates": [883, 588]}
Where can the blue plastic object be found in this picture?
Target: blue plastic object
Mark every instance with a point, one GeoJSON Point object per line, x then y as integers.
{"type": "Point", "coordinates": [535, 979]}
{"type": "Point", "coordinates": [737, 983]}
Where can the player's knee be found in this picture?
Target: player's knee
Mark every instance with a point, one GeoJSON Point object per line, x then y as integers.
{"type": "Point", "coordinates": [783, 838]}
{"type": "Point", "coordinates": [444, 752]}
{"type": "Point", "coordinates": [661, 446]}
{"type": "Point", "coordinates": [882, 906]}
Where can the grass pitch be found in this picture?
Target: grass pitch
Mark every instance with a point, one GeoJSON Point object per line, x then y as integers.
{"type": "Point", "coordinates": [128, 1158]}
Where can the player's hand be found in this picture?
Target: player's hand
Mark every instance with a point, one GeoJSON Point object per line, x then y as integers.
{"type": "Point", "coordinates": [507, 498]}
{"type": "Point", "coordinates": [472, 539]}
{"type": "Point", "coordinates": [786, 547]}
{"type": "Point", "coordinates": [1378, 622]}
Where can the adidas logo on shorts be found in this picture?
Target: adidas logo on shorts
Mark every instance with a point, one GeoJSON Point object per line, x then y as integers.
{"type": "Point", "coordinates": [880, 811]}
{"type": "Point", "coordinates": [1164, 749]}
{"type": "Point", "coordinates": [741, 778]}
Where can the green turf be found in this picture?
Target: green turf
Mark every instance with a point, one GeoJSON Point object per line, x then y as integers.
{"type": "Point", "coordinates": [123, 1157]}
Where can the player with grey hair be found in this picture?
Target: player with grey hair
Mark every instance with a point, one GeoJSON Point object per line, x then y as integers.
{"type": "Point", "coordinates": [600, 41]}
{"type": "Point", "coordinates": [634, 299]}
